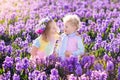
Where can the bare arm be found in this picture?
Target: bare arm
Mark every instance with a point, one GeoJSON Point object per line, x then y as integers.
{"type": "Point", "coordinates": [34, 51]}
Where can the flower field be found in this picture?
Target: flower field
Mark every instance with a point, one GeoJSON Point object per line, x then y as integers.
{"type": "Point", "coordinates": [100, 30]}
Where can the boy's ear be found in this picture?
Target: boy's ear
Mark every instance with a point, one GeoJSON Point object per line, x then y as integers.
{"type": "Point", "coordinates": [76, 27]}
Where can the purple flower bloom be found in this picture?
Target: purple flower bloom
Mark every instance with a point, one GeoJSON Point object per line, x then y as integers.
{"type": "Point", "coordinates": [8, 63]}
{"type": "Point", "coordinates": [110, 66]}
{"type": "Point", "coordinates": [118, 58]}
{"type": "Point", "coordinates": [98, 67]}
{"type": "Point", "coordinates": [72, 77]}
{"type": "Point", "coordinates": [106, 57]}
{"type": "Point", "coordinates": [6, 76]}
{"type": "Point", "coordinates": [111, 36]}
{"type": "Point", "coordinates": [19, 66]}
{"type": "Point", "coordinates": [16, 77]}
{"type": "Point", "coordinates": [70, 68]}
{"type": "Point", "coordinates": [54, 74]}
{"type": "Point", "coordinates": [1, 48]}
{"type": "Point", "coordinates": [85, 59]}
{"type": "Point", "coordinates": [25, 62]}
{"type": "Point", "coordinates": [2, 43]}
{"type": "Point", "coordinates": [42, 76]}
{"type": "Point", "coordinates": [78, 70]}
{"type": "Point", "coordinates": [17, 59]}
{"type": "Point", "coordinates": [89, 72]}
{"type": "Point", "coordinates": [83, 77]}
{"type": "Point", "coordinates": [30, 76]}
{"type": "Point", "coordinates": [98, 75]}
{"type": "Point", "coordinates": [35, 73]}
{"type": "Point", "coordinates": [52, 77]}
{"type": "Point", "coordinates": [103, 76]}
{"type": "Point", "coordinates": [8, 49]}
{"type": "Point", "coordinates": [2, 30]}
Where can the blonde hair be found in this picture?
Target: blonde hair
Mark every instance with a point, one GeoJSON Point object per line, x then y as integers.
{"type": "Point", "coordinates": [73, 19]}
{"type": "Point", "coordinates": [47, 29]}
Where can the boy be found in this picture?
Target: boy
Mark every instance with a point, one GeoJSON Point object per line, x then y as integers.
{"type": "Point", "coordinates": [71, 42]}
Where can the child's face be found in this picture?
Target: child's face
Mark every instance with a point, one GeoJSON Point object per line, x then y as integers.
{"type": "Point", "coordinates": [53, 28]}
{"type": "Point", "coordinates": [68, 28]}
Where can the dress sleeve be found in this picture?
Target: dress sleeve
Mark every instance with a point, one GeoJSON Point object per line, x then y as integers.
{"type": "Point", "coordinates": [36, 42]}
{"type": "Point", "coordinates": [80, 47]}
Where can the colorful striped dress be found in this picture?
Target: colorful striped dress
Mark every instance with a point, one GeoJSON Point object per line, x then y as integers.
{"type": "Point", "coordinates": [44, 48]}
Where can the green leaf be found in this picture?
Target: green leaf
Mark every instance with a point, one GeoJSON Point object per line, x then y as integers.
{"type": "Point", "coordinates": [1, 71]}
{"type": "Point", "coordinates": [91, 45]}
{"type": "Point", "coordinates": [2, 21]}
{"type": "Point", "coordinates": [15, 46]}
{"type": "Point", "coordinates": [119, 30]}
{"type": "Point", "coordinates": [109, 53]}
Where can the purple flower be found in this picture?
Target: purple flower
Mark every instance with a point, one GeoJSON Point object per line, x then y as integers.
{"type": "Point", "coordinates": [108, 47]}
{"type": "Point", "coordinates": [85, 59]}
{"type": "Point", "coordinates": [119, 73]}
{"type": "Point", "coordinates": [98, 38]}
{"type": "Point", "coordinates": [25, 62]}
{"type": "Point", "coordinates": [1, 48]}
{"type": "Point", "coordinates": [115, 49]}
{"type": "Point", "coordinates": [98, 75]}
{"type": "Point", "coordinates": [73, 60]}
{"type": "Point", "coordinates": [103, 76]}
{"type": "Point", "coordinates": [103, 43]}
{"type": "Point", "coordinates": [83, 77]}
{"type": "Point", "coordinates": [72, 77]}
{"type": "Point", "coordinates": [42, 76]}
{"type": "Point", "coordinates": [96, 46]}
{"type": "Point", "coordinates": [8, 49]}
{"type": "Point", "coordinates": [52, 77]}
{"type": "Point", "coordinates": [8, 63]}
{"type": "Point", "coordinates": [35, 73]}
{"type": "Point", "coordinates": [28, 38]}
{"type": "Point", "coordinates": [17, 59]}
{"type": "Point", "coordinates": [88, 14]}
{"type": "Point", "coordinates": [111, 36]}
{"type": "Point", "coordinates": [19, 66]}
{"type": "Point", "coordinates": [18, 52]}
{"type": "Point", "coordinates": [78, 70]}
{"type": "Point", "coordinates": [2, 30]}
{"type": "Point", "coordinates": [30, 76]}
{"type": "Point", "coordinates": [118, 58]}
{"type": "Point", "coordinates": [92, 58]}
{"type": "Point", "coordinates": [2, 43]}
{"type": "Point", "coordinates": [58, 64]}
{"type": "Point", "coordinates": [106, 57]}
{"type": "Point", "coordinates": [54, 74]}
{"type": "Point", "coordinates": [98, 67]}
{"type": "Point", "coordinates": [89, 72]}
{"type": "Point", "coordinates": [66, 7]}
{"type": "Point", "coordinates": [16, 77]}
{"type": "Point", "coordinates": [70, 68]}
{"type": "Point", "coordinates": [6, 76]}
{"type": "Point", "coordinates": [110, 66]}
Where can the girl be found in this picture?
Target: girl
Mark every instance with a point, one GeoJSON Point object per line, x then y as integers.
{"type": "Point", "coordinates": [44, 45]}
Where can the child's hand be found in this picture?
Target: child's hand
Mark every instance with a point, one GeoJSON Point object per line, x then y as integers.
{"type": "Point", "coordinates": [55, 54]}
{"type": "Point", "coordinates": [67, 54]}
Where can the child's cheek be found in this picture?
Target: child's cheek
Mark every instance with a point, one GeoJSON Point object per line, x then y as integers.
{"type": "Point", "coordinates": [65, 31]}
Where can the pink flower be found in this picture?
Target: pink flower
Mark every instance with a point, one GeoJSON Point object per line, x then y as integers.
{"type": "Point", "coordinates": [40, 31]}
